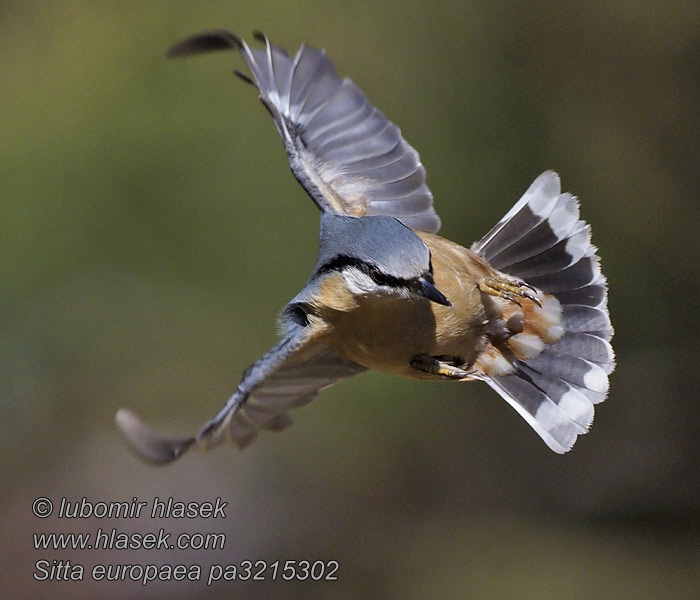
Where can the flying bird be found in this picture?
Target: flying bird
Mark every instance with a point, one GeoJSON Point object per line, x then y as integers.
{"type": "Point", "coordinates": [523, 310]}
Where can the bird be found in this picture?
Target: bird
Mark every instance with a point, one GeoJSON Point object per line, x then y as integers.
{"type": "Point", "coordinates": [524, 309]}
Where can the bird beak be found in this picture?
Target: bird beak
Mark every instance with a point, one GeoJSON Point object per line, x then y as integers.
{"type": "Point", "coordinates": [429, 291]}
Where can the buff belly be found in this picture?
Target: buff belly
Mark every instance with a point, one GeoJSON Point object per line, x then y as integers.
{"type": "Point", "coordinates": [386, 333]}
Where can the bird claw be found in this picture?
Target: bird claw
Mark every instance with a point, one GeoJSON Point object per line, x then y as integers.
{"type": "Point", "coordinates": [508, 289]}
{"type": "Point", "coordinates": [442, 366]}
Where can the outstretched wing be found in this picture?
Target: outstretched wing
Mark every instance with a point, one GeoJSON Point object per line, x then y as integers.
{"type": "Point", "coordinates": [289, 375]}
{"type": "Point", "coordinates": [348, 156]}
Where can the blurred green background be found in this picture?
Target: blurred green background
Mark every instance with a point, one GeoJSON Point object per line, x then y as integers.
{"type": "Point", "coordinates": [150, 231]}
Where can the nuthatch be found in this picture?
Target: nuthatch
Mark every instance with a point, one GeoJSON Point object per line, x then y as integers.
{"type": "Point", "coordinates": [524, 309]}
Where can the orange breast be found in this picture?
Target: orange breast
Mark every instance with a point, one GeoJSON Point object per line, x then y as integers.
{"type": "Point", "coordinates": [386, 333]}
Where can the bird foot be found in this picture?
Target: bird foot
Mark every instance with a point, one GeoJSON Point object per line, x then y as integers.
{"type": "Point", "coordinates": [442, 366]}
{"type": "Point", "coordinates": [508, 289]}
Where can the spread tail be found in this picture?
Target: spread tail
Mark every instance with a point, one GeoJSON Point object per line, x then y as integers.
{"type": "Point", "coordinates": [542, 241]}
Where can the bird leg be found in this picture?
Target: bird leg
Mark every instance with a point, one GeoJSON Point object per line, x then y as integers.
{"type": "Point", "coordinates": [443, 366]}
{"type": "Point", "coordinates": [508, 289]}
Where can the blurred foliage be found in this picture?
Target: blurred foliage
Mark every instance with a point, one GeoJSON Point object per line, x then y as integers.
{"type": "Point", "coordinates": [150, 231]}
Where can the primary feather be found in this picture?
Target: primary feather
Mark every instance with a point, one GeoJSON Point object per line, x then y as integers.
{"type": "Point", "coordinates": [347, 155]}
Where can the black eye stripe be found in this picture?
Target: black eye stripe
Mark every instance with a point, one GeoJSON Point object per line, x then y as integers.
{"type": "Point", "coordinates": [382, 279]}
{"type": "Point", "coordinates": [342, 262]}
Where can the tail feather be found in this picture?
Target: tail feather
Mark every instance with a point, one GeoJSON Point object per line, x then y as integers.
{"type": "Point", "coordinates": [542, 240]}
{"type": "Point", "coordinates": [543, 236]}
{"type": "Point", "coordinates": [591, 295]}
{"type": "Point", "coordinates": [533, 208]}
{"type": "Point", "coordinates": [584, 319]}
{"type": "Point", "coordinates": [587, 346]}
{"type": "Point", "coordinates": [565, 253]}
{"type": "Point", "coordinates": [584, 273]}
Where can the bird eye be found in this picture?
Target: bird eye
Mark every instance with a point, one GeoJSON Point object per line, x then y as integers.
{"type": "Point", "coordinates": [378, 277]}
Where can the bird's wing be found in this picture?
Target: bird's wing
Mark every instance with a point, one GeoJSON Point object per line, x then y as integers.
{"type": "Point", "coordinates": [347, 155]}
{"type": "Point", "coordinates": [289, 375]}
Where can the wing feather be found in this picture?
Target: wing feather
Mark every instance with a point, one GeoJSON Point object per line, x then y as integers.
{"type": "Point", "coordinates": [347, 155]}
{"type": "Point", "coordinates": [297, 382]}
{"type": "Point", "coordinates": [288, 376]}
